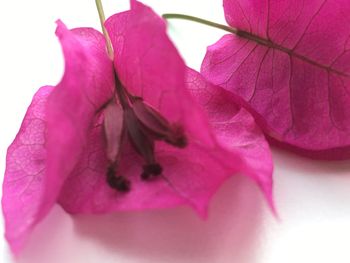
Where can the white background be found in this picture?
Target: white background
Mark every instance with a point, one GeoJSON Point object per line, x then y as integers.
{"type": "Point", "coordinates": [312, 197]}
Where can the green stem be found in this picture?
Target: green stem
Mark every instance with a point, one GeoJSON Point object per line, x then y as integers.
{"type": "Point", "coordinates": [202, 21]}
{"type": "Point", "coordinates": [236, 31]}
{"type": "Point", "coordinates": [105, 33]}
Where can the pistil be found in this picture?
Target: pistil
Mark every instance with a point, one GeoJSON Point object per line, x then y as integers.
{"type": "Point", "coordinates": [142, 125]}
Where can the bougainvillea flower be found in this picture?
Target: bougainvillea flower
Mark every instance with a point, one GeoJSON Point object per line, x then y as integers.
{"type": "Point", "coordinates": [289, 64]}
{"type": "Point", "coordinates": [125, 135]}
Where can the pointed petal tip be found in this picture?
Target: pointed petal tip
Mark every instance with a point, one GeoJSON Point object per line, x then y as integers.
{"type": "Point", "coordinates": [59, 22]}
{"type": "Point", "coordinates": [268, 194]}
{"type": "Point", "coordinates": [60, 29]}
{"type": "Point", "coordinates": [273, 210]}
{"type": "Point", "coordinates": [133, 4]}
{"type": "Point", "coordinates": [15, 246]}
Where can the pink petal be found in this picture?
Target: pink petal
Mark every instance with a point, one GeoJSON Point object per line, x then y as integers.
{"type": "Point", "coordinates": [236, 133]}
{"type": "Point", "coordinates": [23, 190]}
{"type": "Point", "coordinates": [87, 84]}
{"type": "Point", "coordinates": [53, 133]}
{"type": "Point", "coordinates": [295, 83]}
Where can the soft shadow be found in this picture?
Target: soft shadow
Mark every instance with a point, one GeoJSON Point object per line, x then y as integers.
{"type": "Point", "coordinates": [291, 161]}
{"type": "Point", "coordinates": [231, 233]}
{"type": "Point", "coordinates": [50, 239]}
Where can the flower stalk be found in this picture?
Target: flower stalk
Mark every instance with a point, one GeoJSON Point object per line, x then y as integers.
{"type": "Point", "coordinates": [201, 21]}
{"type": "Point", "coordinates": [102, 17]}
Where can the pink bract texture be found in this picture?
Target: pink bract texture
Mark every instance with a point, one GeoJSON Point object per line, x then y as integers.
{"type": "Point", "coordinates": [235, 132]}
{"type": "Point", "coordinates": [290, 67]}
{"type": "Point", "coordinates": [61, 154]}
{"type": "Point", "coordinates": [54, 132]}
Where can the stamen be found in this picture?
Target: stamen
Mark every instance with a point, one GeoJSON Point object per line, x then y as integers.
{"type": "Point", "coordinates": [151, 171]}
{"type": "Point", "coordinates": [154, 168]}
{"type": "Point", "coordinates": [142, 143]}
{"type": "Point", "coordinates": [158, 126]}
{"type": "Point", "coordinates": [113, 130]}
{"type": "Point", "coordinates": [118, 183]}
{"type": "Point", "coordinates": [150, 117]}
{"type": "Point", "coordinates": [142, 125]}
{"type": "Point", "coordinates": [177, 137]}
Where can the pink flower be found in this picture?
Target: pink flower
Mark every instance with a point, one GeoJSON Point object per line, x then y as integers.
{"type": "Point", "coordinates": [128, 135]}
{"type": "Point", "coordinates": [289, 65]}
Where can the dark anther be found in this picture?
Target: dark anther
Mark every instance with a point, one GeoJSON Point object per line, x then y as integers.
{"type": "Point", "coordinates": [154, 168]}
{"type": "Point", "coordinates": [146, 176]}
{"type": "Point", "coordinates": [178, 141]}
{"type": "Point", "coordinates": [151, 171]}
{"type": "Point", "coordinates": [128, 117]}
{"type": "Point", "coordinates": [177, 137]}
{"type": "Point", "coordinates": [118, 183]}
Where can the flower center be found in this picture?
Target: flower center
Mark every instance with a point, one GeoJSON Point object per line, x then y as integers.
{"type": "Point", "coordinates": [142, 125]}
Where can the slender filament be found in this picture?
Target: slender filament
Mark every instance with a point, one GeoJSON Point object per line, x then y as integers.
{"type": "Point", "coordinates": [105, 33]}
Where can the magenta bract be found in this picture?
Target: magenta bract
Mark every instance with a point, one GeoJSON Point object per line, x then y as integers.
{"type": "Point", "coordinates": [72, 133]}
{"type": "Point", "coordinates": [236, 134]}
{"type": "Point", "coordinates": [290, 68]}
